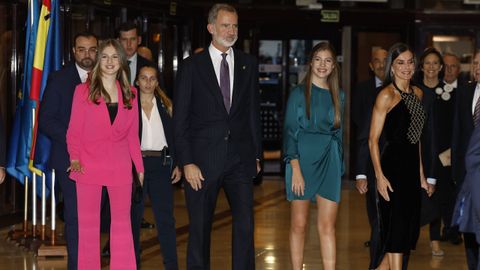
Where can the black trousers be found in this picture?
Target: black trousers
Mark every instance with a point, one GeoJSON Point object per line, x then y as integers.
{"type": "Point", "coordinates": [472, 250]}
{"type": "Point", "coordinates": [157, 185]}
{"type": "Point", "coordinates": [238, 187]}
{"type": "Point", "coordinates": [373, 218]}
{"type": "Point", "coordinates": [70, 214]}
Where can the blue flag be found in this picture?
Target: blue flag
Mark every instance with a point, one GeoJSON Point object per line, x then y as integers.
{"type": "Point", "coordinates": [21, 136]}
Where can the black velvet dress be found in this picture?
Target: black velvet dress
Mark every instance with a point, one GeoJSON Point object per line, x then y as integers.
{"type": "Point", "coordinates": [400, 217]}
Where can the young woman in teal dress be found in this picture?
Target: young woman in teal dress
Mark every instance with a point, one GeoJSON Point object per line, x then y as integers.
{"type": "Point", "coordinates": [313, 153]}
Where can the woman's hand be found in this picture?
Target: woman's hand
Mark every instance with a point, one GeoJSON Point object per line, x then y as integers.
{"type": "Point", "coordinates": [176, 175]}
{"type": "Point", "coordinates": [75, 166]}
{"type": "Point", "coordinates": [141, 176]}
{"type": "Point", "coordinates": [298, 183]}
{"type": "Point", "coordinates": [429, 188]}
{"type": "Point", "coordinates": [383, 186]}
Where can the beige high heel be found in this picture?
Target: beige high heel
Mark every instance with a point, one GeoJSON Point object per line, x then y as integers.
{"type": "Point", "coordinates": [436, 251]}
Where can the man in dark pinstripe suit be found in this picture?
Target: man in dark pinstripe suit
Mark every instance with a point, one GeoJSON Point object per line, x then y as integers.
{"type": "Point", "coordinates": [217, 138]}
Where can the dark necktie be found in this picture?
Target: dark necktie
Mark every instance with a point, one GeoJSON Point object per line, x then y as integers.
{"type": "Point", "coordinates": [476, 113]}
{"type": "Point", "coordinates": [129, 72]}
{"type": "Point", "coordinates": [225, 82]}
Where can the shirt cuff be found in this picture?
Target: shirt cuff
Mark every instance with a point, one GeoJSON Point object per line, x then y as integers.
{"type": "Point", "coordinates": [360, 176]}
{"type": "Point", "coordinates": [432, 181]}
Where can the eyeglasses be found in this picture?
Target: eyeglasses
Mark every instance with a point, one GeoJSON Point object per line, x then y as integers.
{"type": "Point", "coordinates": [82, 50]}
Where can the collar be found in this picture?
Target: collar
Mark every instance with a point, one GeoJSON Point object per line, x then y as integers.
{"type": "Point", "coordinates": [454, 84]}
{"type": "Point", "coordinates": [133, 59]}
{"type": "Point", "coordinates": [378, 82]}
{"type": "Point", "coordinates": [216, 53]}
{"type": "Point", "coordinates": [82, 73]}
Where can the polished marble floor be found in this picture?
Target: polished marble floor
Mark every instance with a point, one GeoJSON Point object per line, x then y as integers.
{"type": "Point", "coordinates": [271, 238]}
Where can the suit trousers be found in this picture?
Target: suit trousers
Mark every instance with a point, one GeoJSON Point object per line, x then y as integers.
{"type": "Point", "coordinates": [238, 187]}
{"type": "Point", "coordinates": [69, 192]}
{"type": "Point", "coordinates": [372, 212]}
{"type": "Point", "coordinates": [157, 185]}
{"type": "Point", "coordinates": [472, 251]}
{"type": "Point", "coordinates": [121, 241]}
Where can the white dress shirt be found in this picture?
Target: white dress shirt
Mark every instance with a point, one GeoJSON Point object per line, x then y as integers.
{"type": "Point", "coordinates": [476, 95]}
{"type": "Point", "coordinates": [133, 68]}
{"type": "Point", "coordinates": [82, 73]}
{"type": "Point", "coordinates": [216, 56]}
{"type": "Point", "coordinates": [153, 135]}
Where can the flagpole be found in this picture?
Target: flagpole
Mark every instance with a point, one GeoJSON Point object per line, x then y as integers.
{"type": "Point", "coordinates": [34, 191]}
{"type": "Point", "coordinates": [25, 208]}
{"type": "Point", "coordinates": [53, 208]}
{"type": "Point", "coordinates": [44, 207]}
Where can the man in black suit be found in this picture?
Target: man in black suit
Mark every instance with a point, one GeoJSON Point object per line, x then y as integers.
{"type": "Point", "coordinates": [217, 138]}
{"type": "Point", "coordinates": [463, 124]}
{"type": "Point", "coordinates": [54, 117]}
{"type": "Point", "coordinates": [3, 150]}
{"type": "Point", "coordinates": [446, 193]}
{"type": "Point", "coordinates": [362, 105]}
{"type": "Point", "coordinates": [129, 37]}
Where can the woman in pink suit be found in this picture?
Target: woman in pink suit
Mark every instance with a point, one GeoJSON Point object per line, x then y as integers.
{"type": "Point", "coordinates": [102, 140]}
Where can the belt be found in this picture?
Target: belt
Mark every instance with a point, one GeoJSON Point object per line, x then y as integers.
{"type": "Point", "coordinates": [155, 153]}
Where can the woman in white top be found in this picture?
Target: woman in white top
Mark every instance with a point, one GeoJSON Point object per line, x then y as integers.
{"type": "Point", "coordinates": [156, 139]}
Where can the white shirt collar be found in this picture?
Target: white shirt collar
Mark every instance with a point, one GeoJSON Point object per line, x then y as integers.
{"type": "Point", "coordinates": [216, 53]}
{"type": "Point", "coordinates": [454, 84]}
{"type": "Point", "coordinates": [378, 82]}
{"type": "Point", "coordinates": [133, 59]}
{"type": "Point", "coordinates": [82, 73]}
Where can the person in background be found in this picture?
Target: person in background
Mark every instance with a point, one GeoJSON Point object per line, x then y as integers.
{"type": "Point", "coordinates": [156, 140]}
{"type": "Point", "coordinates": [102, 141]}
{"type": "Point", "coordinates": [399, 114]}
{"type": "Point", "coordinates": [429, 79]}
{"type": "Point", "coordinates": [145, 52]}
{"type": "Point", "coordinates": [466, 114]}
{"type": "Point", "coordinates": [452, 82]}
{"type": "Point", "coordinates": [53, 120]}
{"type": "Point", "coordinates": [129, 37]}
{"type": "Point", "coordinates": [3, 150]}
{"type": "Point", "coordinates": [362, 105]}
{"type": "Point", "coordinates": [216, 119]}
{"type": "Point", "coordinates": [313, 152]}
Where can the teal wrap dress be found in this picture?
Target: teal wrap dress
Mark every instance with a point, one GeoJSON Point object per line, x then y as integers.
{"type": "Point", "coordinates": [315, 142]}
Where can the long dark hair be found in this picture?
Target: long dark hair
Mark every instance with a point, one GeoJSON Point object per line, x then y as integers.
{"type": "Point", "coordinates": [393, 53]}
{"type": "Point", "coordinates": [96, 86]}
{"type": "Point", "coordinates": [333, 81]}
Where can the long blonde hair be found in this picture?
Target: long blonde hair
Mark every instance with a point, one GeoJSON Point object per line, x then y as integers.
{"type": "Point", "coordinates": [166, 101]}
{"type": "Point", "coordinates": [333, 81]}
{"type": "Point", "coordinates": [97, 89]}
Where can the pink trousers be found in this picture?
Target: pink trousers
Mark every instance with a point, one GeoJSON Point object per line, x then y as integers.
{"type": "Point", "coordinates": [121, 240]}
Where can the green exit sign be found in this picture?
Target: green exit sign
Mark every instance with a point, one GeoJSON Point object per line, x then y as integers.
{"type": "Point", "coordinates": [330, 16]}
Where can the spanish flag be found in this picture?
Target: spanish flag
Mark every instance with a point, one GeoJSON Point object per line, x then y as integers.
{"type": "Point", "coordinates": [43, 55]}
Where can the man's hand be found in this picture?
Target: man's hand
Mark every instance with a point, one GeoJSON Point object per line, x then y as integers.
{"type": "Point", "coordinates": [194, 176]}
{"type": "Point", "coordinates": [259, 168]}
{"type": "Point", "coordinates": [176, 175]}
{"type": "Point", "coordinates": [362, 185]}
{"type": "Point", "coordinates": [2, 175]}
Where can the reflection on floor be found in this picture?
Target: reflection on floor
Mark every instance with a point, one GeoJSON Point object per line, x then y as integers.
{"type": "Point", "coordinates": [271, 238]}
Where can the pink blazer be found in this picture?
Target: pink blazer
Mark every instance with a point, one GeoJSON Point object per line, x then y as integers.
{"type": "Point", "coordinates": [104, 150]}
